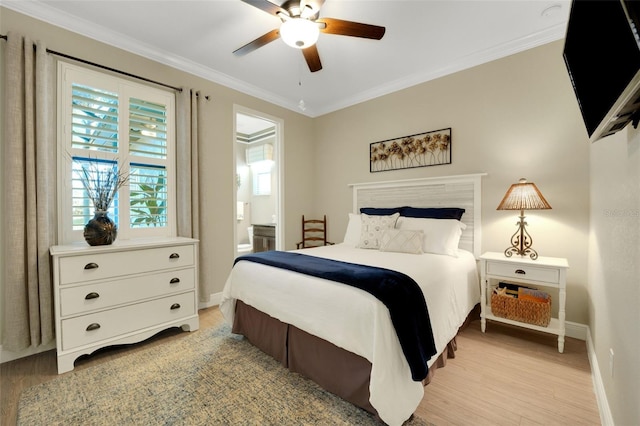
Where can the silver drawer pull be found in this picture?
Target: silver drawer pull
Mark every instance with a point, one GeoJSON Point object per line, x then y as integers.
{"type": "Point", "coordinates": [93, 326]}
{"type": "Point", "coordinates": [175, 306]}
{"type": "Point", "coordinates": [174, 281]}
{"type": "Point", "coordinates": [174, 256]}
{"type": "Point", "coordinates": [520, 271]}
{"type": "Point", "coordinates": [92, 295]}
{"type": "Point", "coordinates": [91, 266]}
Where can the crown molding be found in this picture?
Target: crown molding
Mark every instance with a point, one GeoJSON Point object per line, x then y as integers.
{"type": "Point", "coordinates": [41, 11]}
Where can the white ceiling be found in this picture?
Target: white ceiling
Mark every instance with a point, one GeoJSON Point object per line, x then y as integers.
{"type": "Point", "coordinates": [424, 40]}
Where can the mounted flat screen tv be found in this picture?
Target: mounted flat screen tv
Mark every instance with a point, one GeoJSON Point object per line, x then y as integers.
{"type": "Point", "coordinates": [602, 55]}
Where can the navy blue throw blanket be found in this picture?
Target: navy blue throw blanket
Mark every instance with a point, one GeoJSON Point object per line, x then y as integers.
{"type": "Point", "coordinates": [399, 292]}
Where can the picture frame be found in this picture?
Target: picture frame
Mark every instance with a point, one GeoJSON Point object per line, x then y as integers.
{"type": "Point", "coordinates": [432, 148]}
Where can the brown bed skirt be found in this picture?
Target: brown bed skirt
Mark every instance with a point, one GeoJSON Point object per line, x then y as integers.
{"type": "Point", "coordinates": [337, 370]}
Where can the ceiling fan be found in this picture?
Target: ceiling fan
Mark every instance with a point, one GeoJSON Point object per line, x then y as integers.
{"type": "Point", "coordinates": [301, 26]}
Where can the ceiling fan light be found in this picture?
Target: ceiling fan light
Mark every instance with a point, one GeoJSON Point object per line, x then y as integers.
{"type": "Point", "coordinates": [299, 32]}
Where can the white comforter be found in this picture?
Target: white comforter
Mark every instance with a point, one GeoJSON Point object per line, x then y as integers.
{"type": "Point", "coordinates": [355, 320]}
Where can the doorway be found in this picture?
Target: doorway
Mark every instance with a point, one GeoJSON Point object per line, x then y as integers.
{"type": "Point", "coordinates": [258, 170]}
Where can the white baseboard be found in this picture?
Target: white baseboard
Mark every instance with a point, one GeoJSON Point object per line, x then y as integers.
{"type": "Point", "coordinates": [598, 385]}
{"type": "Point", "coordinates": [214, 300]}
{"type": "Point", "coordinates": [576, 330]}
{"type": "Point", "coordinates": [581, 332]}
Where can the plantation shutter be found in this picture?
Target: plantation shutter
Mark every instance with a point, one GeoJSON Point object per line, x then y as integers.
{"type": "Point", "coordinates": [94, 127]}
{"type": "Point", "coordinates": [148, 178]}
{"type": "Point", "coordinates": [94, 122]}
{"type": "Point", "coordinates": [147, 129]}
{"type": "Point", "coordinates": [110, 123]}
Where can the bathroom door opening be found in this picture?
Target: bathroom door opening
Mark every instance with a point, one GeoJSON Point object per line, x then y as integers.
{"type": "Point", "coordinates": [258, 170]}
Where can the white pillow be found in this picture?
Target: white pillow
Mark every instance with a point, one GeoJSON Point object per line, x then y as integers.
{"type": "Point", "coordinates": [373, 227]}
{"type": "Point", "coordinates": [441, 236]}
{"type": "Point", "coordinates": [402, 241]}
{"type": "Point", "coordinates": [352, 235]}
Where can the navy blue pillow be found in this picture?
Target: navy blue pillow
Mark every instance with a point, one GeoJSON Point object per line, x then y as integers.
{"type": "Point", "coordinates": [432, 212]}
{"type": "Point", "coordinates": [380, 211]}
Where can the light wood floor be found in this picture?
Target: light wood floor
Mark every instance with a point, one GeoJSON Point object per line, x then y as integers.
{"type": "Point", "coordinates": [507, 376]}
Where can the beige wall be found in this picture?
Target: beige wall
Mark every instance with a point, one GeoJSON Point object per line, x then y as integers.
{"type": "Point", "coordinates": [614, 268]}
{"type": "Point", "coordinates": [511, 118]}
{"type": "Point", "coordinates": [218, 181]}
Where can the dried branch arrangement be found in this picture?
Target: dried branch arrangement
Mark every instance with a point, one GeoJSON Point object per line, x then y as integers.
{"type": "Point", "coordinates": [102, 182]}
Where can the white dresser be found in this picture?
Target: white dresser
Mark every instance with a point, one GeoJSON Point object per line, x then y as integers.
{"type": "Point", "coordinates": [122, 293]}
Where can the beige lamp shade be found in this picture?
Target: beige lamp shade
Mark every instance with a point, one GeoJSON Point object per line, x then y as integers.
{"type": "Point", "coordinates": [523, 196]}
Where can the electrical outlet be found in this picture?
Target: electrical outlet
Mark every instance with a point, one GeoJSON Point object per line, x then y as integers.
{"type": "Point", "coordinates": [611, 361]}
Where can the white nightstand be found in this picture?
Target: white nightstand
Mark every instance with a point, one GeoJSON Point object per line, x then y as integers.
{"type": "Point", "coordinates": [542, 272]}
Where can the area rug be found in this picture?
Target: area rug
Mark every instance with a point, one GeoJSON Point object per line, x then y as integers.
{"type": "Point", "coordinates": [208, 377]}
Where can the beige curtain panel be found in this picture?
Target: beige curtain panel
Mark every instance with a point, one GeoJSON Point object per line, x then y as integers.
{"type": "Point", "coordinates": [188, 181]}
{"type": "Point", "coordinates": [28, 188]}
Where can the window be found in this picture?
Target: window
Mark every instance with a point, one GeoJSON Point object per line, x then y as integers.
{"type": "Point", "coordinates": [106, 122]}
{"type": "Point", "coordinates": [261, 172]}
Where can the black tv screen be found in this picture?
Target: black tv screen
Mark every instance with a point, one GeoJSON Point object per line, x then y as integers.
{"type": "Point", "coordinates": [602, 55]}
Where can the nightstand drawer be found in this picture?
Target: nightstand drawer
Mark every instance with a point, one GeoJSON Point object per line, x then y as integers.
{"type": "Point", "coordinates": [522, 272]}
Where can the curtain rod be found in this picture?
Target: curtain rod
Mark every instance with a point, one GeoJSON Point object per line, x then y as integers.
{"type": "Point", "coordinates": [84, 61]}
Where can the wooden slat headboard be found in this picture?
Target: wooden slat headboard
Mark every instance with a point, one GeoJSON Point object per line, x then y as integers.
{"type": "Point", "coordinates": [462, 191]}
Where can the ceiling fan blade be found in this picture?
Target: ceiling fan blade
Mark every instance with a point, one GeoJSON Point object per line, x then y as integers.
{"type": "Point", "coordinates": [257, 43]}
{"type": "Point", "coordinates": [312, 57]}
{"type": "Point", "coordinates": [350, 28]}
{"type": "Point", "coordinates": [266, 6]}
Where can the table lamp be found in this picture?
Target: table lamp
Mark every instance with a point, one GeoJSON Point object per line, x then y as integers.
{"type": "Point", "coordinates": [522, 196]}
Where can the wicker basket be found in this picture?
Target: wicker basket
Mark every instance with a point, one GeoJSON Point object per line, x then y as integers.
{"type": "Point", "coordinates": [531, 312]}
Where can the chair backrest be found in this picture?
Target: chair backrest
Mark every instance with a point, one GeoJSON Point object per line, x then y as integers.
{"type": "Point", "coordinates": [314, 232]}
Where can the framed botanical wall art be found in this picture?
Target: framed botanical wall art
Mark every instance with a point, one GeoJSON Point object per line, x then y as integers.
{"type": "Point", "coordinates": [423, 149]}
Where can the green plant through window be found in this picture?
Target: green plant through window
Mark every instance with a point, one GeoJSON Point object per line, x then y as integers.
{"type": "Point", "coordinates": [148, 195]}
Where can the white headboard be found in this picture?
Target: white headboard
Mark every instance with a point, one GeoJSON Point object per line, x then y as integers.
{"type": "Point", "coordinates": [463, 191]}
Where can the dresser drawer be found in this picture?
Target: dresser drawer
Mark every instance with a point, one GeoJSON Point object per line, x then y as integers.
{"type": "Point", "coordinates": [100, 266]}
{"type": "Point", "coordinates": [80, 299]}
{"type": "Point", "coordinates": [530, 273]}
{"type": "Point", "coordinates": [104, 325]}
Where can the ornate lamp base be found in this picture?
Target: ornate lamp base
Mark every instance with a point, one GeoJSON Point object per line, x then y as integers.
{"type": "Point", "coordinates": [521, 241]}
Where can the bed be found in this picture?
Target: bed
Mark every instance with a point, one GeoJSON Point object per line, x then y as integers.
{"type": "Point", "coordinates": [342, 337]}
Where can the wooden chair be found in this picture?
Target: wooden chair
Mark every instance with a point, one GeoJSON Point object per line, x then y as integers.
{"type": "Point", "coordinates": [314, 233]}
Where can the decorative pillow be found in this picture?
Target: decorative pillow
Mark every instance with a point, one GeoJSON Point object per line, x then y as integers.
{"type": "Point", "coordinates": [402, 241]}
{"type": "Point", "coordinates": [372, 229]}
{"type": "Point", "coordinates": [354, 227]}
{"type": "Point", "coordinates": [432, 212]}
{"type": "Point", "coordinates": [441, 236]}
{"type": "Point", "coordinates": [380, 211]}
